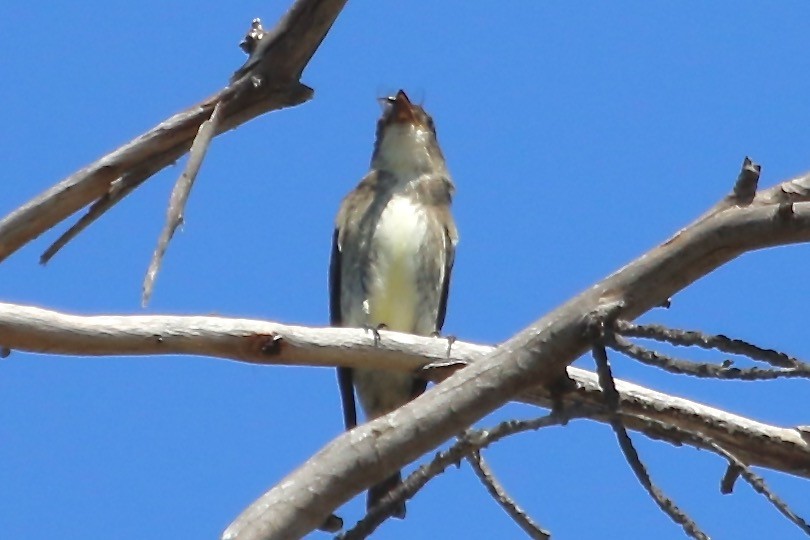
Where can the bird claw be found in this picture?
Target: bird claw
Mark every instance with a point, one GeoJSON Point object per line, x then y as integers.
{"type": "Point", "coordinates": [450, 341]}
{"type": "Point", "coordinates": [375, 330]}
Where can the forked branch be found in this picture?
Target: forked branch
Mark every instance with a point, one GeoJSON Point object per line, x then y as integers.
{"type": "Point", "coordinates": [472, 441]}
{"type": "Point", "coordinates": [268, 81]}
{"type": "Point", "coordinates": [613, 402]}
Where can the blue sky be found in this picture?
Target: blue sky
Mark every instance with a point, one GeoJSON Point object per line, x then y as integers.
{"type": "Point", "coordinates": [579, 136]}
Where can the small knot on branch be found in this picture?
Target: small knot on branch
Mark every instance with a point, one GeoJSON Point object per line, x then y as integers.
{"type": "Point", "coordinates": [253, 36]}
{"type": "Point", "coordinates": [271, 345]}
{"type": "Point", "coordinates": [332, 524]}
{"type": "Point", "coordinates": [601, 321]}
{"type": "Point", "coordinates": [746, 186]}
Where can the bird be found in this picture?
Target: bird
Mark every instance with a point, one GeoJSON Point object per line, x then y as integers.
{"type": "Point", "coordinates": [393, 250]}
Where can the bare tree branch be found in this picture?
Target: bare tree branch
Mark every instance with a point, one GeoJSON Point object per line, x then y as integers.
{"type": "Point", "coordinates": [736, 468]}
{"type": "Point", "coordinates": [700, 369]}
{"type": "Point", "coordinates": [267, 82]}
{"type": "Point", "coordinates": [784, 449]}
{"type": "Point", "coordinates": [37, 330]}
{"type": "Point", "coordinates": [536, 356]}
{"type": "Point", "coordinates": [118, 190]}
{"type": "Point", "coordinates": [687, 338]}
{"type": "Point", "coordinates": [744, 191]}
{"type": "Point", "coordinates": [790, 191]}
{"type": "Point", "coordinates": [498, 492]}
{"type": "Point", "coordinates": [762, 488]}
{"type": "Point", "coordinates": [472, 440]}
{"type": "Point", "coordinates": [178, 198]}
{"type": "Point", "coordinates": [613, 402]}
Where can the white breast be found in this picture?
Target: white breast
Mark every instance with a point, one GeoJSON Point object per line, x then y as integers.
{"type": "Point", "coordinates": [398, 240]}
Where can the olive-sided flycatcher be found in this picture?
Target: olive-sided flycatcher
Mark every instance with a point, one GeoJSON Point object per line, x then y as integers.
{"type": "Point", "coordinates": [392, 255]}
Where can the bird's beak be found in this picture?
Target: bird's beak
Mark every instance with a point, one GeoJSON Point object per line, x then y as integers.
{"type": "Point", "coordinates": [402, 110]}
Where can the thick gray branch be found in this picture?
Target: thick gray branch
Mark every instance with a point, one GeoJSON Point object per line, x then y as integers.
{"type": "Point", "coordinates": [38, 330]}
{"type": "Point", "coordinates": [536, 356]}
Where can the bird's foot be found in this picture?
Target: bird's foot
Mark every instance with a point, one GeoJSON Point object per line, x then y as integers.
{"type": "Point", "coordinates": [450, 341]}
{"type": "Point", "coordinates": [375, 330]}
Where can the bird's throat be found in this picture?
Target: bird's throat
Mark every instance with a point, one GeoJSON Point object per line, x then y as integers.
{"type": "Point", "coordinates": [404, 151]}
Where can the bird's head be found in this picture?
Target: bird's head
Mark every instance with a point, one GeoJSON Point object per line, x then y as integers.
{"type": "Point", "coordinates": [406, 137]}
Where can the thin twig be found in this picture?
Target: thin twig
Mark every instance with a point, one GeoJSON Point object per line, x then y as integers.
{"type": "Point", "coordinates": [689, 338]}
{"type": "Point", "coordinates": [736, 467]}
{"type": "Point", "coordinates": [500, 495]}
{"type": "Point", "coordinates": [471, 441]}
{"type": "Point", "coordinates": [117, 192]}
{"type": "Point", "coordinates": [179, 197]}
{"type": "Point", "coordinates": [759, 485]}
{"type": "Point", "coordinates": [699, 369]}
{"type": "Point", "coordinates": [612, 399]}
{"type": "Point", "coordinates": [405, 491]}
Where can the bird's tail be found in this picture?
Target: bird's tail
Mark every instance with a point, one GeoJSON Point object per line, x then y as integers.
{"type": "Point", "coordinates": [379, 491]}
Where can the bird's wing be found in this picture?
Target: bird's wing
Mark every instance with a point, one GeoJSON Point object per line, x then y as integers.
{"type": "Point", "coordinates": [344, 374]}
{"type": "Point", "coordinates": [449, 236]}
{"type": "Point", "coordinates": [450, 241]}
{"type": "Point", "coordinates": [346, 223]}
